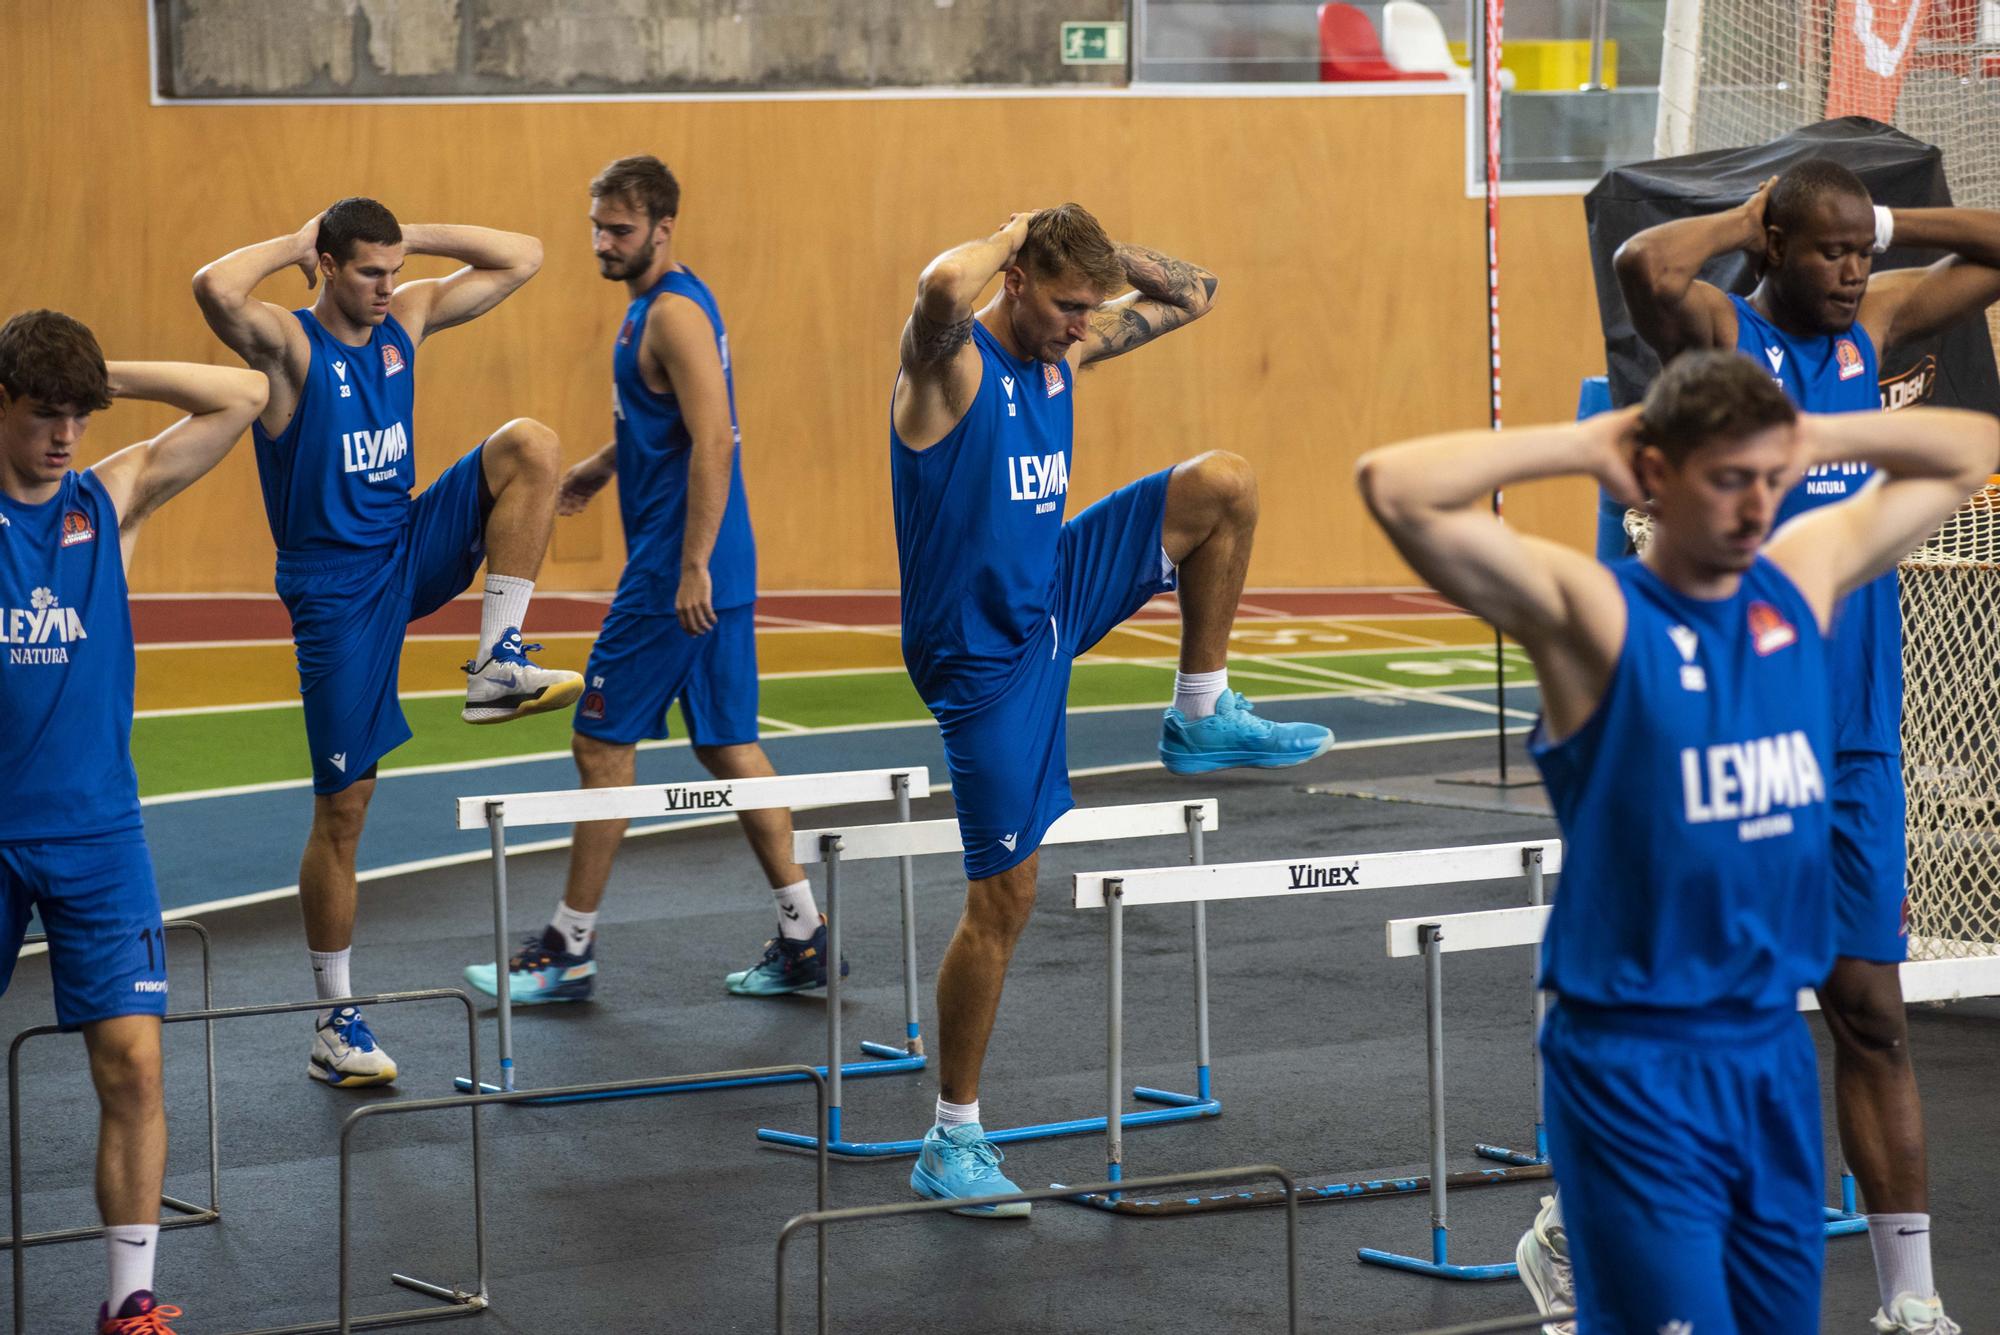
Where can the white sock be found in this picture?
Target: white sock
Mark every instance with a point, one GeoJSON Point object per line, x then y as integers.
{"type": "Point", "coordinates": [330, 975]}
{"type": "Point", "coordinates": [504, 608]}
{"type": "Point", "coordinates": [957, 1114]}
{"type": "Point", "coordinates": [130, 1250]}
{"type": "Point", "coordinates": [1195, 693]}
{"type": "Point", "coordinates": [1902, 1244]}
{"type": "Point", "coordinates": [798, 915]}
{"type": "Point", "coordinates": [574, 928]}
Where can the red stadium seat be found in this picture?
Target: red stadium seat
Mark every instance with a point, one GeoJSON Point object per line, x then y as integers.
{"type": "Point", "coordinates": [1350, 52]}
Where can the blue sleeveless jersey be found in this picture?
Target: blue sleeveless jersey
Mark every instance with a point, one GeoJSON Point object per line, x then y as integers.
{"type": "Point", "coordinates": [654, 450]}
{"type": "Point", "coordinates": [338, 477]}
{"type": "Point", "coordinates": [1693, 804]}
{"type": "Point", "coordinates": [65, 669]}
{"type": "Point", "coordinates": [978, 519]}
{"type": "Point", "coordinates": [1838, 373]}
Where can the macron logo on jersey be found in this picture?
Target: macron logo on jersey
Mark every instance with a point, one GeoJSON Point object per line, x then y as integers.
{"type": "Point", "coordinates": [1757, 783]}
{"type": "Point", "coordinates": [1036, 477]}
{"type": "Point", "coordinates": [340, 374]}
{"type": "Point", "coordinates": [375, 453]}
{"type": "Point", "coordinates": [1777, 359]}
{"type": "Point", "coordinates": [40, 632]}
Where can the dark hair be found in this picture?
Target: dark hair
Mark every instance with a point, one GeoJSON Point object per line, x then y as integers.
{"type": "Point", "coordinates": [1802, 186]}
{"type": "Point", "coordinates": [1708, 396]}
{"type": "Point", "coordinates": [643, 182]}
{"type": "Point", "coordinates": [47, 356]}
{"type": "Point", "coordinates": [352, 220]}
{"type": "Point", "coordinates": [1066, 239]}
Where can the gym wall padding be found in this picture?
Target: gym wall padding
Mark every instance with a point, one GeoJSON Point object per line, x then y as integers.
{"type": "Point", "coordinates": [1351, 311]}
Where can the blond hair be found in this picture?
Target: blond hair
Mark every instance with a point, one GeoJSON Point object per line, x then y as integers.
{"type": "Point", "coordinates": [1067, 240]}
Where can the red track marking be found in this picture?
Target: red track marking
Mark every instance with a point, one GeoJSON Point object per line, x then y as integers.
{"type": "Point", "coordinates": [167, 620]}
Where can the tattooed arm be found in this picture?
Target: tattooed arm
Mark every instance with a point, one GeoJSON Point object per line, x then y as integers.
{"type": "Point", "coordinates": [1166, 294]}
{"type": "Point", "coordinates": [940, 368]}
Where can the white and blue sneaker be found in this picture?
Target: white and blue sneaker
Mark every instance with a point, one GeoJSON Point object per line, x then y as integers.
{"type": "Point", "coordinates": [345, 1053]}
{"type": "Point", "coordinates": [1234, 736]}
{"type": "Point", "coordinates": [959, 1162]}
{"type": "Point", "coordinates": [507, 686]}
{"type": "Point", "coordinates": [544, 970]}
{"type": "Point", "coordinates": [1541, 1259]}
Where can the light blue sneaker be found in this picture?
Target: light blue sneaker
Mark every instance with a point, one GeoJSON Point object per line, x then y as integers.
{"type": "Point", "coordinates": [544, 970]}
{"type": "Point", "coordinates": [1234, 736]}
{"type": "Point", "coordinates": [960, 1162]}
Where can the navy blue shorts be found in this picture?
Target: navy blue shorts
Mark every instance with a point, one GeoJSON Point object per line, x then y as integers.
{"type": "Point", "coordinates": [101, 910]}
{"type": "Point", "coordinates": [1870, 858]}
{"type": "Point", "coordinates": [643, 662]}
{"type": "Point", "coordinates": [1688, 1150]}
{"type": "Point", "coordinates": [1009, 760]}
{"type": "Point", "coordinates": [350, 615]}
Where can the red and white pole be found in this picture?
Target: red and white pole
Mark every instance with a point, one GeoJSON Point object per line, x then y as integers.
{"type": "Point", "coordinates": [1495, 15]}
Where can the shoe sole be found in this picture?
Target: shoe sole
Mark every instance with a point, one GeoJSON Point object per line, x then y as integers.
{"type": "Point", "coordinates": [1532, 1283]}
{"type": "Point", "coordinates": [327, 1075]}
{"type": "Point", "coordinates": [549, 698]}
{"type": "Point", "coordinates": [1202, 762]}
{"type": "Point", "coordinates": [928, 1188]}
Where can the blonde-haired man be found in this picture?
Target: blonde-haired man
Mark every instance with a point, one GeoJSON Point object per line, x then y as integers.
{"type": "Point", "coordinates": [1000, 595]}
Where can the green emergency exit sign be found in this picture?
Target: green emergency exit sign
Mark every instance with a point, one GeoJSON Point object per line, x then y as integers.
{"type": "Point", "coordinates": [1093, 43]}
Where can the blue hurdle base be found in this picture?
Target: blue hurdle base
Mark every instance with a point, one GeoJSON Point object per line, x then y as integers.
{"type": "Point", "coordinates": [1846, 1219]}
{"type": "Point", "coordinates": [888, 1061]}
{"type": "Point", "coordinates": [1439, 1267]}
{"type": "Point", "coordinates": [1181, 1108]}
{"type": "Point", "coordinates": [1519, 1158]}
{"type": "Point", "coordinates": [1308, 1192]}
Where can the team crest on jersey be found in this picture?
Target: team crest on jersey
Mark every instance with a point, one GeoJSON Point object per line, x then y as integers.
{"type": "Point", "coordinates": [392, 359]}
{"type": "Point", "coordinates": [76, 529]}
{"type": "Point", "coordinates": [1769, 631]}
{"type": "Point", "coordinates": [626, 330]}
{"type": "Point", "coordinates": [1052, 381]}
{"type": "Point", "coordinates": [1849, 358]}
{"type": "Point", "coordinates": [593, 706]}
{"type": "Point", "coordinates": [1910, 387]}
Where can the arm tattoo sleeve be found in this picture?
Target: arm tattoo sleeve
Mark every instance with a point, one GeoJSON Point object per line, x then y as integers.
{"type": "Point", "coordinates": [928, 342]}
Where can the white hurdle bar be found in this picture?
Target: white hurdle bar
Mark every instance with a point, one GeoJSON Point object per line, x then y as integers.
{"type": "Point", "coordinates": [1115, 891]}
{"type": "Point", "coordinates": [1435, 936]}
{"type": "Point", "coordinates": [1081, 825]}
{"type": "Point", "coordinates": [713, 797]}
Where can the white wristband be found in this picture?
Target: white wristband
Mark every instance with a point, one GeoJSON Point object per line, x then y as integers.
{"type": "Point", "coordinates": [1885, 228]}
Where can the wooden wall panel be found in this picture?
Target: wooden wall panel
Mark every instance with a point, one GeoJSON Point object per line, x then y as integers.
{"type": "Point", "coordinates": [1351, 310]}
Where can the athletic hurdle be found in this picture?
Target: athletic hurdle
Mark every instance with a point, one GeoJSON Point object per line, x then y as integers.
{"type": "Point", "coordinates": [567, 806]}
{"type": "Point", "coordinates": [456, 1301]}
{"type": "Point", "coordinates": [819, 1220]}
{"type": "Point", "coordinates": [1432, 937]}
{"type": "Point", "coordinates": [1115, 891]}
{"type": "Point", "coordinates": [1081, 825]}
{"type": "Point", "coordinates": [185, 1214]}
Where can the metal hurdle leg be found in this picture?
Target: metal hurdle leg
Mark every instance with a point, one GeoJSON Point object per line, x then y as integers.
{"type": "Point", "coordinates": [1178, 1107]}
{"type": "Point", "coordinates": [885, 1058]}
{"type": "Point", "coordinates": [1538, 1003]}
{"type": "Point", "coordinates": [460, 1302]}
{"type": "Point", "coordinates": [186, 1214]}
{"type": "Point", "coordinates": [1431, 936]}
{"type": "Point", "coordinates": [819, 1219]}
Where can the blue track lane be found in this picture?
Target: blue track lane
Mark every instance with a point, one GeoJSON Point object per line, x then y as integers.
{"type": "Point", "coordinates": [216, 848]}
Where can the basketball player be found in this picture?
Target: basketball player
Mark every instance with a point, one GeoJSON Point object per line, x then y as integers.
{"type": "Point", "coordinates": [682, 623]}
{"type": "Point", "coordinates": [1698, 894]}
{"type": "Point", "coordinates": [71, 842]}
{"type": "Point", "coordinates": [999, 594]}
{"type": "Point", "coordinates": [358, 559]}
{"type": "Point", "coordinates": [1816, 322]}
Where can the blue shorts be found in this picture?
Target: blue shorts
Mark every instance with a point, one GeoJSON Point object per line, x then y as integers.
{"type": "Point", "coordinates": [1688, 1150]}
{"type": "Point", "coordinates": [1008, 759]}
{"type": "Point", "coordinates": [1870, 858]}
{"type": "Point", "coordinates": [643, 662]}
{"type": "Point", "coordinates": [101, 910]}
{"type": "Point", "coordinates": [350, 614]}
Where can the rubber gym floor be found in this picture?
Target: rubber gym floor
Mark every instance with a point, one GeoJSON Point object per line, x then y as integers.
{"type": "Point", "coordinates": [662, 1214]}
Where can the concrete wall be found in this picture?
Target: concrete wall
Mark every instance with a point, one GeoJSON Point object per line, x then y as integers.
{"type": "Point", "coordinates": [374, 48]}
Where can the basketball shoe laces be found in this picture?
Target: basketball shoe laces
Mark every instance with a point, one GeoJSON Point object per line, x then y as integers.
{"type": "Point", "coordinates": [984, 1155]}
{"type": "Point", "coordinates": [153, 1322]}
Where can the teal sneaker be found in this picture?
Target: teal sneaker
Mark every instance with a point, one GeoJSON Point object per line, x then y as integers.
{"type": "Point", "coordinates": [787, 966]}
{"type": "Point", "coordinates": [1234, 736]}
{"type": "Point", "coordinates": [544, 970]}
{"type": "Point", "coordinates": [959, 1162]}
